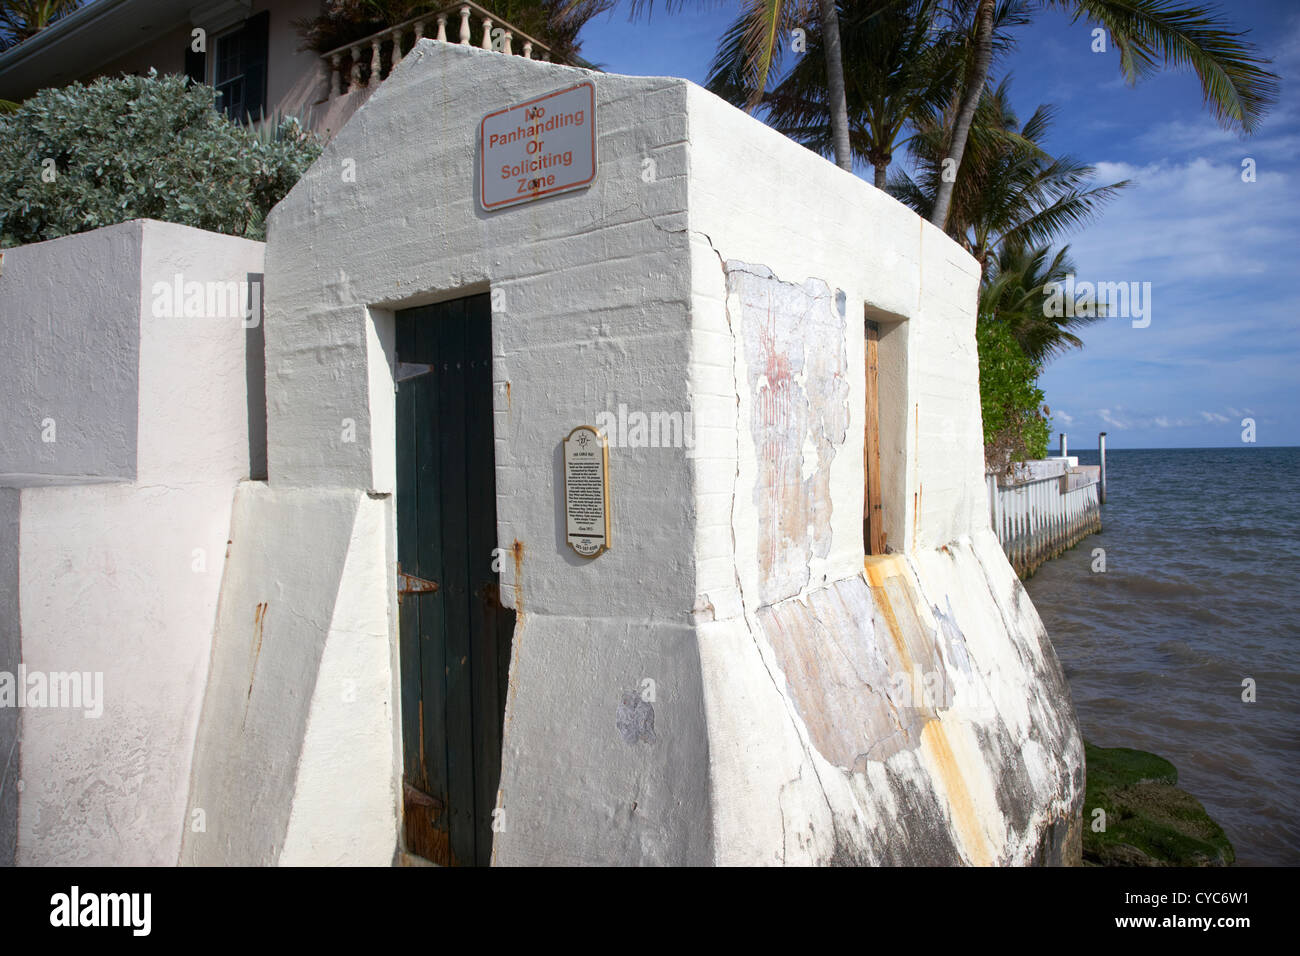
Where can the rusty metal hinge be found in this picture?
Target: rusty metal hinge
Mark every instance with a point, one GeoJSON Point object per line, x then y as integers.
{"type": "Point", "coordinates": [410, 584]}
{"type": "Point", "coordinates": [419, 798]}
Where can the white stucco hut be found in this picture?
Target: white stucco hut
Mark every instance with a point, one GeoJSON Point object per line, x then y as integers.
{"type": "Point", "coordinates": [732, 680]}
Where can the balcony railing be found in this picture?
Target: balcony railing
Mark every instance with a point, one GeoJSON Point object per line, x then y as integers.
{"type": "Point", "coordinates": [363, 61]}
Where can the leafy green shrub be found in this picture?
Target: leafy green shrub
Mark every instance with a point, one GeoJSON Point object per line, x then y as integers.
{"type": "Point", "coordinates": [1011, 402]}
{"type": "Point", "coordinates": [85, 156]}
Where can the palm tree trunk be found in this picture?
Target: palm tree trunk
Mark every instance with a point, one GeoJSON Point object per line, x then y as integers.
{"type": "Point", "coordinates": [882, 175]}
{"type": "Point", "coordinates": [966, 112]}
{"type": "Point", "coordinates": [838, 102]}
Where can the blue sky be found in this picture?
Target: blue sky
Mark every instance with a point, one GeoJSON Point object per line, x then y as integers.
{"type": "Point", "coordinates": [1220, 254]}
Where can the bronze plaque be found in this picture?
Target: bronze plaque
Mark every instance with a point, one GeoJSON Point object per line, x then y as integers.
{"type": "Point", "coordinates": [586, 491]}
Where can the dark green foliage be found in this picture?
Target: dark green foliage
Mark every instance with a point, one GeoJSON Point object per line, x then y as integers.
{"type": "Point", "coordinates": [1011, 402]}
{"type": "Point", "coordinates": [1149, 821]}
{"type": "Point", "coordinates": [86, 156]}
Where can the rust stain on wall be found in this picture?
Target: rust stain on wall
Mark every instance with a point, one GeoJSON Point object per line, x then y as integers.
{"type": "Point", "coordinates": [960, 805]}
{"type": "Point", "coordinates": [517, 552]}
{"type": "Point", "coordinates": [259, 621]}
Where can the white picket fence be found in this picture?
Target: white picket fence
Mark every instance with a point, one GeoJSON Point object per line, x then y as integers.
{"type": "Point", "coordinates": [1045, 508]}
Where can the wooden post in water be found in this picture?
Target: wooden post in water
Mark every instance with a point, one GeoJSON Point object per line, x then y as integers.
{"type": "Point", "coordinates": [1063, 451]}
{"type": "Point", "coordinates": [1101, 454]}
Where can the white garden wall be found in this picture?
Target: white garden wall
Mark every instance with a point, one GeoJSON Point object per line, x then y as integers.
{"type": "Point", "coordinates": [121, 579]}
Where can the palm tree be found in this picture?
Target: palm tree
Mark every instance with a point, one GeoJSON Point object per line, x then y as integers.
{"type": "Point", "coordinates": [1016, 285]}
{"type": "Point", "coordinates": [900, 68]}
{"type": "Point", "coordinates": [766, 22]}
{"type": "Point", "coordinates": [1010, 191]}
{"type": "Point", "coordinates": [1148, 34]}
{"type": "Point", "coordinates": [21, 19]}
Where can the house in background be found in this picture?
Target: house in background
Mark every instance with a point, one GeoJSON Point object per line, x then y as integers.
{"type": "Point", "coordinates": [250, 52]}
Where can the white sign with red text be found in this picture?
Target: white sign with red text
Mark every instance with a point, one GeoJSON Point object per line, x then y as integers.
{"type": "Point", "coordinates": [539, 148]}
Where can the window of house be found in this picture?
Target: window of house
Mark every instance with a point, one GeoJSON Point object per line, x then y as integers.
{"type": "Point", "coordinates": [239, 69]}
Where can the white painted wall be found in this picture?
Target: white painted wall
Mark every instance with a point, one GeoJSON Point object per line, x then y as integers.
{"type": "Point", "coordinates": [280, 599]}
{"type": "Point", "coordinates": [595, 276]}
{"type": "Point", "coordinates": [123, 578]}
{"type": "Point", "coordinates": [58, 366]}
{"type": "Point", "coordinates": [9, 658]}
{"type": "Point", "coordinates": [787, 723]}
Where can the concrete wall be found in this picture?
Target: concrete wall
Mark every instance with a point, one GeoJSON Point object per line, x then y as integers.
{"type": "Point", "coordinates": [69, 373]}
{"type": "Point", "coordinates": [331, 311]}
{"type": "Point", "coordinates": [713, 267]}
{"type": "Point", "coordinates": [10, 654]}
{"type": "Point", "coordinates": [300, 701]}
{"type": "Point", "coordinates": [821, 748]}
{"type": "Point", "coordinates": [121, 579]}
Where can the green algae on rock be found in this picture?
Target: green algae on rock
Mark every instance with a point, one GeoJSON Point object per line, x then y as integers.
{"type": "Point", "coordinates": [1148, 820]}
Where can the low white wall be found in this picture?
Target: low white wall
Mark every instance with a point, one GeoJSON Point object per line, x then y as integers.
{"type": "Point", "coordinates": [69, 370]}
{"type": "Point", "coordinates": [122, 579]}
{"type": "Point", "coordinates": [9, 657]}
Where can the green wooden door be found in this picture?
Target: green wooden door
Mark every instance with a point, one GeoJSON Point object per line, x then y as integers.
{"type": "Point", "coordinates": [455, 640]}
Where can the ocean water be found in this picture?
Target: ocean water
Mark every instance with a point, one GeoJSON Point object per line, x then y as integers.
{"type": "Point", "coordinates": [1199, 592]}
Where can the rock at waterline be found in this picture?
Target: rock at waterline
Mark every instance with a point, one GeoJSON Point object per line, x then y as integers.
{"type": "Point", "coordinates": [1148, 820]}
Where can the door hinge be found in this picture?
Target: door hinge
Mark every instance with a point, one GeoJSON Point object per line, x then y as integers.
{"type": "Point", "coordinates": [419, 798]}
{"type": "Point", "coordinates": [410, 584]}
{"type": "Point", "coordinates": [410, 370]}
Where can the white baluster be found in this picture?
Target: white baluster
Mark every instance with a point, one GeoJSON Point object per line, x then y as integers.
{"type": "Point", "coordinates": [334, 74]}
{"type": "Point", "coordinates": [487, 34]}
{"type": "Point", "coordinates": [464, 26]}
{"type": "Point", "coordinates": [442, 28]}
{"type": "Point", "coordinates": [528, 49]}
{"type": "Point", "coordinates": [419, 30]}
{"type": "Point", "coordinates": [397, 51]}
{"type": "Point", "coordinates": [374, 63]}
{"type": "Point", "coordinates": [354, 79]}
{"type": "Point", "coordinates": [505, 43]}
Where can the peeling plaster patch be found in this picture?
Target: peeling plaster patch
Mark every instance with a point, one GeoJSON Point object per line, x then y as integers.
{"type": "Point", "coordinates": [793, 339]}
{"type": "Point", "coordinates": [851, 671]}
